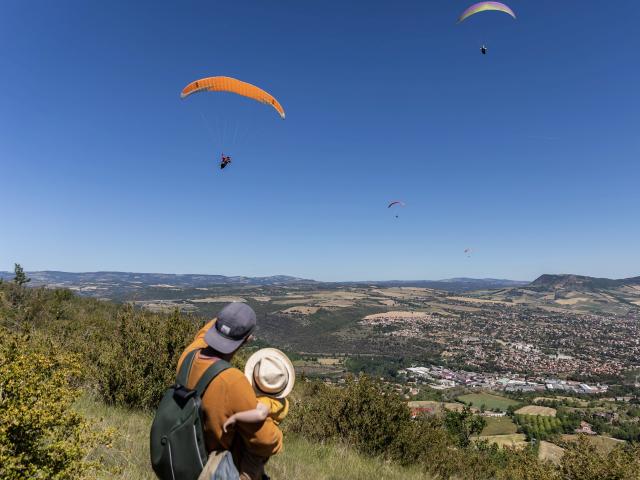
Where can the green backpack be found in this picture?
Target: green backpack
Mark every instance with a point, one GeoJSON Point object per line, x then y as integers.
{"type": "Point", "coordinates": [178, 450]}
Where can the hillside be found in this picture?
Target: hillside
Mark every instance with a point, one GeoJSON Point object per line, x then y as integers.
{"type": "Point", "coordinates": [300, 460]}
{"type": "Point", "coordinates": [573, 293]}
{"type": "Point", "coordinates": [81, 354]}
{"type": "Point", "coordinates": [580, 283]}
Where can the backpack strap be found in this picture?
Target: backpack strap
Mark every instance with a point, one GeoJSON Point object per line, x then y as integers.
{"type": "Point", "coordinates": [185, 368]}
{"type": "Point", "coordinates": [209, 374]}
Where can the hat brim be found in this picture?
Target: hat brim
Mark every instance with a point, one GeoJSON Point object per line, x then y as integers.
{"type": "Point", "coordinates": [219, 343]}
{"type": "Point", "coordinates": [270, 352]}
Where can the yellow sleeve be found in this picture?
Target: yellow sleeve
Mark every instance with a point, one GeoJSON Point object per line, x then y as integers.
{"type": "Point", "coordinates": [198, 342]}
{"type": "Point", "coordinates": [278, 409]}
{"type": "Point", "coordinates": [263, 439]}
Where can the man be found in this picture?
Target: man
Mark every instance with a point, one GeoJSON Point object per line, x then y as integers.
{"type": "Point", "coordinates": [225, 160]}
{"type": "Point", "coordinates": [230, 393]}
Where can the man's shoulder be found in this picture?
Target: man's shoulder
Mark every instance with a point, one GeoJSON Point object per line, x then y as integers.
{"type": "Point", "coordinates": [233, 376]}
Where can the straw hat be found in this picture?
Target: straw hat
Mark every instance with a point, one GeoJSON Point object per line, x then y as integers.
{"type": "Point", "coordinates": [270, 373]}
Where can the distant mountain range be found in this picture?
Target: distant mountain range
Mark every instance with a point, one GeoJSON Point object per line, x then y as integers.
{"type": "Point", "coordinates": [121, 279]}
{"type": "Point", "coordinates": [565, 292]}
{"type": "Point", "coordinates": [51, 277]}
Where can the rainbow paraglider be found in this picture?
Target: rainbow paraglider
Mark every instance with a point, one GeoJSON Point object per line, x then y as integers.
{"type": "Point", "coordinates": [483, 7]}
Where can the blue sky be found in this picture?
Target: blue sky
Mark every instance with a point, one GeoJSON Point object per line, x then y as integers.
{"type": "Point", "coordinates": [529, 155]}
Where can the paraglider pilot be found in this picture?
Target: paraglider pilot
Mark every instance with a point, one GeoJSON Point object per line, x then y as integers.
{"type": "Point", "coordinates": [483, 49]}
{"type": "Point", "coordinates": [224, 161]}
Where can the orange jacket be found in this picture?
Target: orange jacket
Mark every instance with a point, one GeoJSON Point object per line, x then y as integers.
{"type": "Point", "coordinates": [229, 393]}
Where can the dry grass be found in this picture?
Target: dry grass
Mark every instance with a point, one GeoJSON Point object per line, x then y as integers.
{"type": "Point", "coordinates": [571, 301]}
{"type": "Point", "coordinates": [550, 452]}
{"type": "Point", "coordinates": [303, 460]}
{"type": "Point", "coordinates": [218, 300]}
{"type": "Point", "coordinates": [300, 310]}
{"type": "Point", "coordinates": [516, 440]}
{"type": "Point", "coordinates": [477, 300]}
{"type": "Point", "coordinates": [128, 458]}
{"type": "Point", "coordinates": [499, 426]}
{"type": "Point", "coordinates": [604, 444]}
{"type": "Point", "coordinates": [395, 316]}
{"type": "Point", "coordinates": [537, 410]}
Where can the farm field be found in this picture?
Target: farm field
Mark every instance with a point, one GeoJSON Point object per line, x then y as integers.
{"type": "Point", "coordinates": [604, 444]}
{"type": "Point", "coordinates": [489, 401]}
{"type": "Point", "coordinates": [550, 452]}
{"type": "Point", "coordinates": [438, 406]}
{"type": "Point", "coordinates": [499, 426]}
{"type": "Point", "coordinates": [537, 410]}
{"type": "Point", "coordinates": [517, 440]}
{"type": "Point", "coordinates": [574, 400]}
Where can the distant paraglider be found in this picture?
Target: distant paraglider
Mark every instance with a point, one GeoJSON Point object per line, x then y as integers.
{"type": "Point", "coordinates": [485, 7]}
{"type": "Point", "coordinates": [468, 252]}
{"type": "Point", "coordinates": [396, 203]}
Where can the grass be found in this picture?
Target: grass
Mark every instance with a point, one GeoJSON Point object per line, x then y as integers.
{"type": "Point", "coordinates": [499, 426]}
{"type": "Point", "coordinates": [603, 444]}
{"type": "Point", "coordinates": [128, 457]}
{"type": "Point", "coordinates": [516, 440]}
{"type": "Point", "coordinates": [489, 401]}
{"type": "Point", "coordinates": [550, 452]}
{"type": "Point", "coordinates": [537, 410]}
{"type": "Point", "coordinates": [302, 460]}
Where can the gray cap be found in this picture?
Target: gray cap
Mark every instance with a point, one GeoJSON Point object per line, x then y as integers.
{"type": "Point", "coordinates": [234, 324]}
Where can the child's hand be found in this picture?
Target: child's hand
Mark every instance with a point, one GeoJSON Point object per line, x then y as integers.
{"type": "Point", "coordinates": [229, 423]}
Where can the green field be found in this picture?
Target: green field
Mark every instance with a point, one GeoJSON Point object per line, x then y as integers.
{"type": "Point", "coordinates": [499, 426]}
{"type": "Point", "coordinates": [489, 401]}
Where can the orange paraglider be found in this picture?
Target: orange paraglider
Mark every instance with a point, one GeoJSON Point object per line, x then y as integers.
{"type": "Point", "coordinates": [232, 85]}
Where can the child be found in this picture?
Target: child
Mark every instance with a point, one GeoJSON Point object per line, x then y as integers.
{"type": "Point", "coordinates": [272, 376]}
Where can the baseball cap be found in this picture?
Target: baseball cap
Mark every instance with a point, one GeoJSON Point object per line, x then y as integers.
{"type": "Point", "coordinates": [233, 325]}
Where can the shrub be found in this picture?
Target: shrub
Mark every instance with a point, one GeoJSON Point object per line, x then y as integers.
{"type": "Point", "coordinates": [40, 436]}
{"type": "Point", "coordinates": [141, 362]}
{"type": "Point", "coordinates": [583, 461]}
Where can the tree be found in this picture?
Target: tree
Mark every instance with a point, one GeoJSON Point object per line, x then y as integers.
{"type": "Point", "coordinates": [21, 277]}
{"type": "Point", "coordinates": [462, 425]}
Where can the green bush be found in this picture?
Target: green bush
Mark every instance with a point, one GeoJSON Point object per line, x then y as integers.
{"type": "Point", "coordinates": [40, 435]}
{"type": "Point", "coordinates": [140, 363]}
{"type": "Point", "coordinates": [583, 461]}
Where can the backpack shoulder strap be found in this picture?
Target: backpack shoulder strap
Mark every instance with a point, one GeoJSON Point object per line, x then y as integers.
{"type": "Point", "coordinates": [185, 368]}
{"type": "Point", "coordinates": [209, 374]}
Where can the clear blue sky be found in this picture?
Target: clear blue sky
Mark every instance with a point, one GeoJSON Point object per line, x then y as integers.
{"type": "Point", "coordinates": [530, 155]}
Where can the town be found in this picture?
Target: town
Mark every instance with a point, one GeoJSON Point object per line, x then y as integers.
{"type": "Point", "coordinates": [441, 378]}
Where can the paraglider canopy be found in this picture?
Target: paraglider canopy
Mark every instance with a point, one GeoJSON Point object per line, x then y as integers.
{"type": "Point", "coordinates": [484, 7]}
{"type": "Point", "coordinates": [396, 202]}
{"type": "Point", "coordinates": [232, 85]}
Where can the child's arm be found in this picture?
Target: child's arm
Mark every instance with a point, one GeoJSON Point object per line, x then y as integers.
{"type": "Point", "coordinates": [257, 415]}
